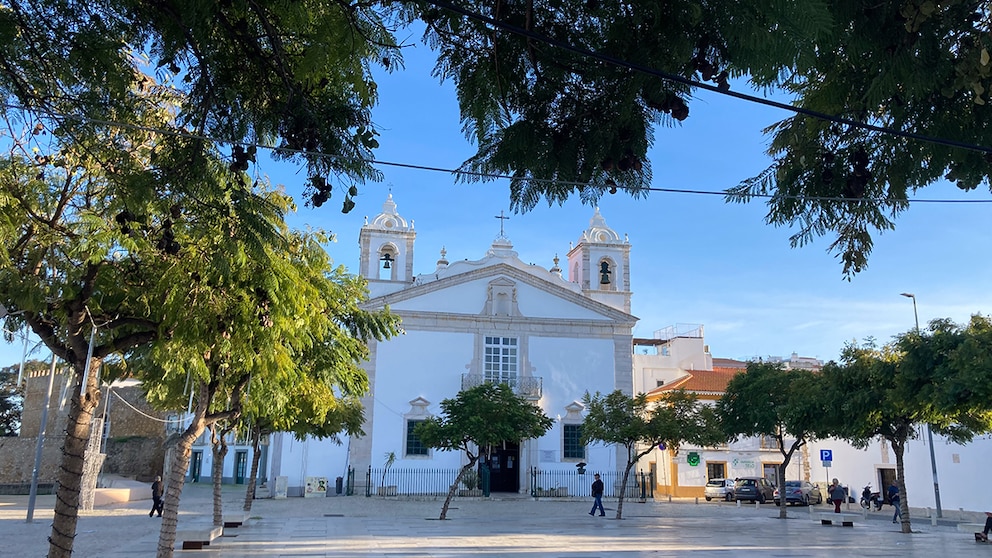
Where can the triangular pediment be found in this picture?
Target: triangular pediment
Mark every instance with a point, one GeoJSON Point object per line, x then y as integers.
{"type": "Point", "coordinates": [472, 292]}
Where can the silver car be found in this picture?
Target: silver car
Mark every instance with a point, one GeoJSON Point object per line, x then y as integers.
{"type": "Point", "coordinates": [720, 489]}
{"type": "Point", "coordinates": [802, 493]}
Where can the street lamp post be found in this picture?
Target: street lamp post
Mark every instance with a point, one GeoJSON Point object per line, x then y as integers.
{"type": "Point", "coordinates": [933, 459]}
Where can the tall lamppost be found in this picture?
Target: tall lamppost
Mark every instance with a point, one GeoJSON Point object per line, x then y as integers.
{"type": "Point", "coordinates": [933, 459]}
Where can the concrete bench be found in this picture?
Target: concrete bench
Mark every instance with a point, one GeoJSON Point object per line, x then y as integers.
{"type": "Point", "coordinates": [235, 518]}
{"type": "Point", "coordinates": [845, 519]}
{"type": "Point", "coordinates": [971, 527]}
{"type": "Point", "coordinates": [197, 535]}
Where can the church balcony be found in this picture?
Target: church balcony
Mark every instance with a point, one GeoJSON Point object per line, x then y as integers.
{"type": "Point", "coordinates": [529, 388]}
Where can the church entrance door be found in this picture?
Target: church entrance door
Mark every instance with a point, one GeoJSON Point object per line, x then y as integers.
{"type": "Point", "coordinates": [504, 468]}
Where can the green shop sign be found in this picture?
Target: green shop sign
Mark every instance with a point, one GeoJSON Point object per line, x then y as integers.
{"type": "Point", "coordinates": [692, 459]}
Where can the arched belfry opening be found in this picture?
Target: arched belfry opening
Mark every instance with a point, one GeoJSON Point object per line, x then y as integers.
{"type": "Point", "coordinates": [386, 243]}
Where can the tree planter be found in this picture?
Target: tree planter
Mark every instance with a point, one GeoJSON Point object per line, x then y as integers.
{"type": "Point", "coordinates": [470, 492]}
{"type": "Point", "coordinates": [390, 490]}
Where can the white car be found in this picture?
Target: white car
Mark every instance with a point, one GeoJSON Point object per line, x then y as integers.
{"type": "Point", "coordinates": [721, 489]}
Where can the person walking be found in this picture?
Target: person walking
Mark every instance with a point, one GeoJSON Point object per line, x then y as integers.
{"type": "Point", "coordinates": [597, 494]}
{"type": "Point", "coordinates": [837, 494]}
{"type": "Point", "coordinates": [157, 503]}
{"type": "Point", "coordinates": [984, 535]}
{"type": "Point", "coordinates": [894, 500]}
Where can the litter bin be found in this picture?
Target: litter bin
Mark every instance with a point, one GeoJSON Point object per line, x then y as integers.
{"type": "Point", "coordinates": [338, 485]}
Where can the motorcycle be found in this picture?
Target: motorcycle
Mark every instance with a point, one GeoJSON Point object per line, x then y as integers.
{"type": "Point", "coordinates": [871, 499]}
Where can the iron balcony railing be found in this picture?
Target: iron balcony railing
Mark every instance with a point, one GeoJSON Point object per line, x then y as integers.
{"type": "Point", "coordinates": [528, 387]}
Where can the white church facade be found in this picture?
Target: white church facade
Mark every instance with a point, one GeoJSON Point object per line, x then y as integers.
{"type": "Point", "coordinates": [554, 334]}
{"type": "Point", "coordinates": [465, 322]}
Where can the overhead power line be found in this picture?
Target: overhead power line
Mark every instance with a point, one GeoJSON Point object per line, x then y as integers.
{"type": "Point", "coordinates": [457, 172]}
{"type": "Point", "coordinates": [693, 83]}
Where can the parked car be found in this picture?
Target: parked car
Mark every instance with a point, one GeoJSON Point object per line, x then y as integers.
{"type": "Point", "coordinates": [721, 489]}
{"type": "Point", "coordinates": [803, 493]}
{"type": "Point", "coordinates": [754, 489]}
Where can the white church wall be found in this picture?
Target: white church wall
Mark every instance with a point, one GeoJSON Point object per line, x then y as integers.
{"type": "Point", "coordinates": [427, 364]}
{"type": "Point", "coordinates": [570, 367]}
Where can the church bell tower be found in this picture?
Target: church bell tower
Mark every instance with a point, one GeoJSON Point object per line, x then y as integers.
{"type": "Point", "coordinates": [600, 263]}
{"type": "Point", "coordinates": [386, 244]}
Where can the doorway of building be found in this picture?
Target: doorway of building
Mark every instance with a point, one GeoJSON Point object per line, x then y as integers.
{"type": "Point", "coordinates": [195, 463]}
{"type": "Point", "coordinates": [240, 466]}
{"type": "Point", "coordinates": [886, 478]}
{"type": "Point", "coordinates": [504, 468]}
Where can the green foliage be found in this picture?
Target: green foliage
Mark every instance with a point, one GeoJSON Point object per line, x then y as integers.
{"type": "Point", "coordinates": [484, 416]}
{"type": "Point", "coordinates": [640, 425]}
{"type": "Point", "coordinates": [11, 399]}
{"type": "Point", "coordinates": [292, 73]}
{"type": "Point", "coordinates": [767, 400]}
{"type": "Point", "coordinates": [938, 377]}
{"type": "Point", "coordinates": [895, 65]}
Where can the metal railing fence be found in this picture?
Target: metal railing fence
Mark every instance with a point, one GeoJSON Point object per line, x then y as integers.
{"type": "Point", "coordinates": [557, 483]}
{"type": "Point", "coordinates": [424, 482]}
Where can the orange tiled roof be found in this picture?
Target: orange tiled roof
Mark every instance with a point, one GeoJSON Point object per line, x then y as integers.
{"type": "Point", "coordinates": [700, 381]}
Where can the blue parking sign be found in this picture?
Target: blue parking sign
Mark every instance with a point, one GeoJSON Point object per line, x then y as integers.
{"type": "Point", "coordinates": [826, 455]}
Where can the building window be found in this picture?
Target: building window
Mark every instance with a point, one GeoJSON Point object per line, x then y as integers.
{"type": "Point", "coordinates": [573, 448]}
{"type": "Point", "coordinates": [413, 445]}
{"type": "Point", "coordinates": [716, 470]}
{"type": "Point", "coordinates": [500, 360]}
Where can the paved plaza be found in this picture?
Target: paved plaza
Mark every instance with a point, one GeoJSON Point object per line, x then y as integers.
{"type": "Point", "coordinates": [519, 527]}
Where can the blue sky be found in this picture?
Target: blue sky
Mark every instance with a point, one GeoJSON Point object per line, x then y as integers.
{"type": "Point", "coordinates": [694, 258]}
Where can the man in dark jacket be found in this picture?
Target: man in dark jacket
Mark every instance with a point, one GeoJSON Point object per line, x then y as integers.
{"type": "Point", "coordinates": [157, 502]}
{"type": "Point", "coordinates": [597, 493]}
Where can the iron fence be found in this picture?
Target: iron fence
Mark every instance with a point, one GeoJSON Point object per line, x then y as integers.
{"type": "Point", "coordinates": [558, 483]}
{"type": "Point", "coordinates": [425, 482]}
{"type": "Point", "coordinates": [543, 483]}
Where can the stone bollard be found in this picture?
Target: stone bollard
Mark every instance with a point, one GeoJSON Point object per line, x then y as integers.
{"type": "Point", "coordinates": [669, 498]}
{"type": "Point", "coordinates": [757, 506]}
{"type": "Point", "coordinates": [738, 503]}
{"type": "Point", "coordinates": [697, 500]}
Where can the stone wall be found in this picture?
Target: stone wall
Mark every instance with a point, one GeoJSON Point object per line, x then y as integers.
{"type": "Point", "coordinates": [17, 460]}
{"type": "Point", "coordinates": [135, 437]}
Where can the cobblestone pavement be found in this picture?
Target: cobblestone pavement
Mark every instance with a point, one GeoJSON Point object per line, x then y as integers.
{"type": "Point", "coordinates": [339, 527]}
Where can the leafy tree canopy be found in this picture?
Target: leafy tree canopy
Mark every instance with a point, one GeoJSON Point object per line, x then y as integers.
{"type": "Point", "coordinates": [640, 426]}
{"type": "Point", "coordinates": [483, 416]}
{"type": "Point", "coordinates": [535, 101]}
{"type": "Point", "coordinates": [767, 400]}
{"type": "Point", "coordinates": [477, 419]}
{"type": "Point", "coordinates": [937, 377]}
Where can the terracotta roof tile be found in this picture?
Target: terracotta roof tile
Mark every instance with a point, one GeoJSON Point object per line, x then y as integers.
{"type": "Point", "coordinates": [700, 381]}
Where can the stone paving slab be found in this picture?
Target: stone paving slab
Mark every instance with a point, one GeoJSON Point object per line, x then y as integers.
{"type": "Point", "coordinates": [355, 526]}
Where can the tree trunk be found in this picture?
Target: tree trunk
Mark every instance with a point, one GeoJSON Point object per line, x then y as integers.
{"type": "Point", "coordinates": [219, 442]}
{"type": "Point", "coordinates": [70, 474]}
{"type": "Point", "coordinates": [256, 456]}
{"type": "Point", "coordinates": [783, 500]}
{"type": "Point", "coordinates": [623, 488]}
{"type": "Point", "coordinates": [454, 487]}
{"type": "Point", "coordinates": [783, 512]}
{"type": "Point", "coordinates": [898, 448]}
{"type": "Point", "coordinates": [177, 474]}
